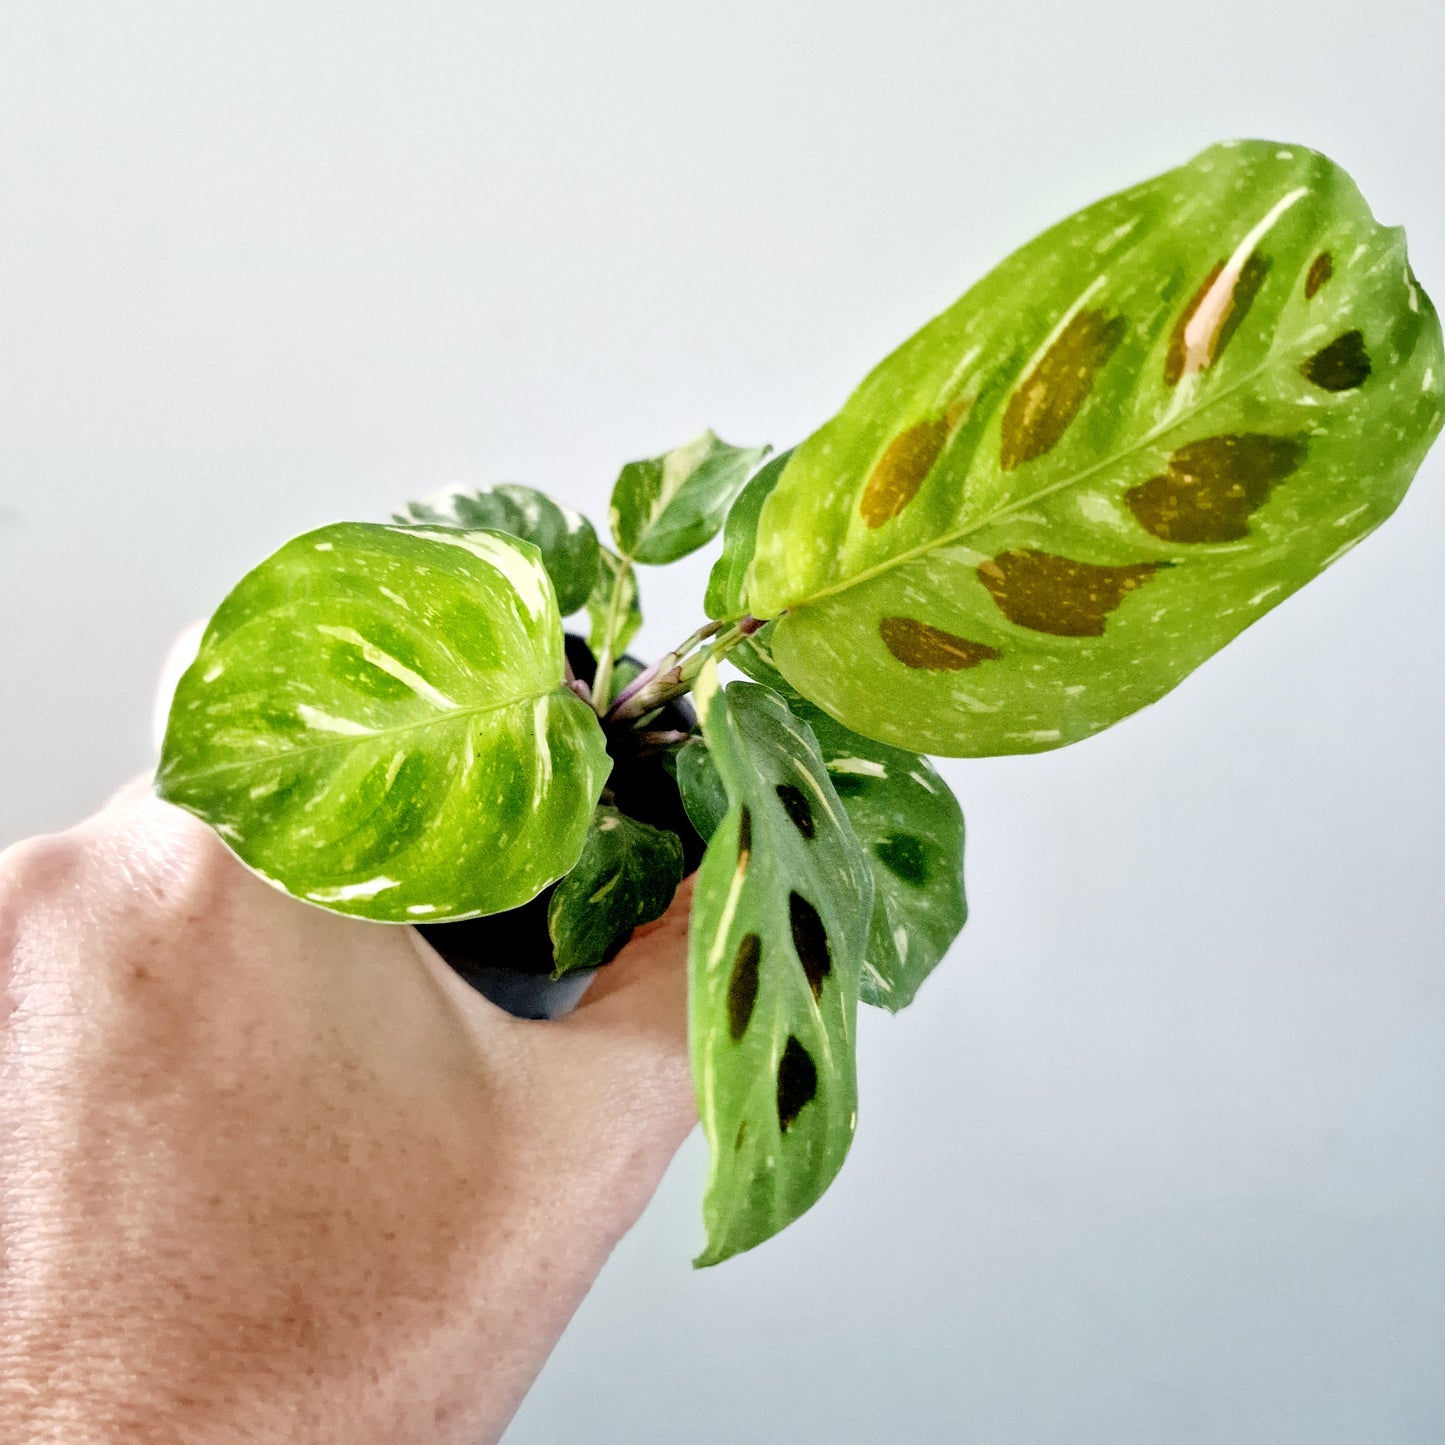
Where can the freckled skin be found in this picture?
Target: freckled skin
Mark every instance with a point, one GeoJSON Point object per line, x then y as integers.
{"type": "Point", "coordinates": [273, 1174]}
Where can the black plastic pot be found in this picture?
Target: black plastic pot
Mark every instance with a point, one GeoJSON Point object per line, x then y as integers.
{"type": "Point", "coordinates": [508, 956]}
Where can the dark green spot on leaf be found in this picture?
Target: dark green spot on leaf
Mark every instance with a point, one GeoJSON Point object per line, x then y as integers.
{"type": "Point", "coordinates": [1341, 366]}
{"type": "Point", "coordinates": [745, 837]}
{"type": "Point", "coordinates": [904, 856]}
{"type": "Point", "coordinates": [1057, 594]}
{"type": "Point", "coordinates": [810, 940]}
{"type": "Point", "coordinates": [796, 805]}
{"type": "Point", "coordinates": [797, 1082]}
{"type": "Point", "coordinates": [1321, 269]}
{"type": "Point", "coordinates": [919, 645]}
{"type": "Point", "coordinates": [1052, 394]}
{"type": "Point", "coordinates": [900, 471]}
{"type": "Point", "coordinates": [1212, 486]}
{"type": "Point", "coordinates": [743, 985]}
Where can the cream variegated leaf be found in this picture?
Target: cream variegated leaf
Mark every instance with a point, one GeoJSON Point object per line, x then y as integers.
{"type": "Point", "coordinates": [665, 507]}
{"type": "Point", "coordinates": [377, 723]}
{"type": "Point", "coordinates": [1128, 442]}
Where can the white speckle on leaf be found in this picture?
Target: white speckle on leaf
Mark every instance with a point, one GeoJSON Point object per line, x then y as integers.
{"type": "Point", "coordinates": [857, 767]}
{"type": "Point", "coordinates": [325, 547]}
{"type": "Point", "coordinates": [417, 909]}
{"type": "Point", "coordinates": [324, 722]}
{"type": "Point", "coordinates": [347, 892]}
{"type": "Point", "coordinates": [385, 662]}
{"type": "Point", "coordinates": [528, 579]}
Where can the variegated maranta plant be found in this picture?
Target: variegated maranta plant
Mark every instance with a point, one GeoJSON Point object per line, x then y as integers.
{"type": "Point", "coordinates": [1128, 442]}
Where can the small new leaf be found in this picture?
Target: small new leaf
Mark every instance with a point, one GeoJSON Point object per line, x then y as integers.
{"type": "Point", "coordinates": [704, 798]}
{"type": "Point", "coordinates": [779, 926]}
{"type": "Point", "coordinates": [565, 538]}
{"type": "Point", "coordinates": [377, 723]}
{"type": "Point", "coordinates": [625, 877]}
{"type": "Point", "coordinates": [667, 506]}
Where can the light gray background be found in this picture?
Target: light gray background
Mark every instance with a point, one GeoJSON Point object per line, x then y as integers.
{"type": "Point", "coordinates": [1157, 1155]}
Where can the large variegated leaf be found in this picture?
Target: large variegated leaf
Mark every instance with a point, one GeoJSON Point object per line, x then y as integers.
{"type": "Point", "coordinates": [779, 924]}
{"type": "Point", "coordinates": [726, 584]}
{"type": "Point", "coordinates": [1128, 442]}
{"type": "Point", "coordinates": [625, 877]}
{"type": "Point", "coordinates": [377, 723]}
{"type": "Point", "coordinates": [565, 538]}
{"type": "Point", "coordinates": [667, 506]}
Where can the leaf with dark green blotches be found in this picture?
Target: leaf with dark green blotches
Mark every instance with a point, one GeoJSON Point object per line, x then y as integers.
{"type": "Point", "coordinates": [726, 595]}
{"type": "Point", "coordinates": [1128, 442]}
{"type": "Point", "coordinates": [667, 506]}
{"type": "Point", "coordinates": [377, 723]}
{"type": "Point", "coordinates": [779, 926]}
{"type": "Point", "coordinates": [911, 830]}
{"type": "Point", "coordinates": [613, 608]}
{"type": "Point", "coordinates": [625, 877]}
{"type": "Point", "coordinates": [565, 538]}
{"type": "Point", "coordinates": [704, 798]}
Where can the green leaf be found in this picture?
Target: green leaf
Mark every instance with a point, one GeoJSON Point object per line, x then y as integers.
{"type": "Point", "coordinates": [726, 585]}
{"type": "Point", "coordinates": [377, 723]}
{"type": "Point", "coordinates": [704, 799]}
{"type": "Point", "coordinates": [905, 817]}
{"type": "Point", "coordinates": [667, 506]}
{"type": "Point", "coordinates": [565, 538]}
{"type": "Point", "coordinates": [753, 655]}
{"type": "Point", "coordinates": [1132, 439]}
{"type": "Point", "coordinates": [625, 877]}
{"type": "Point", "coordinates": [779, 925]}
{"type": "Point", "coordinates": [911, 830]}
{"type": "Point", "coordinates": [613, 607]}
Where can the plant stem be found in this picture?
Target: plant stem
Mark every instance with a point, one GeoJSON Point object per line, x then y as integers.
{"type": "Point", "coordinates": [664, 664]}
{"type": "Point", "coordinates": [602, 682]}
{"type": "Point", "coordinates": [672, 677]}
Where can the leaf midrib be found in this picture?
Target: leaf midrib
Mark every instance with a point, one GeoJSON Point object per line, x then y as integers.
{"type": "Point", "coordinates": [950, 539]}
{"type": "Point", "coordinates": [356, 739]}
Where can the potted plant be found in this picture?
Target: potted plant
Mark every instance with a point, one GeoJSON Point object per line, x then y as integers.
{"type": "Point", "coordinates": [1132, 439]}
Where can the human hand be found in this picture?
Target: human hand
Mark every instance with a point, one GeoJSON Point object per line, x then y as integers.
{"type": "Point", "coordinates": [267, 1173]}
